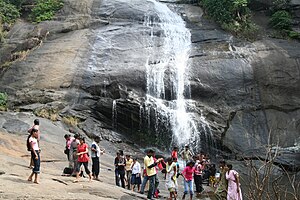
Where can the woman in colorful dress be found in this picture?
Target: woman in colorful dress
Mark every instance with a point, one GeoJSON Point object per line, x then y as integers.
{"type": "Point", "coordinates": [234, 191]}
{"type": "Point", "coordinates": [83, 159]}
{"type": "Point", "coordinates": [171, 182]}
{"type": "Point", "coordinates": [221, 191]}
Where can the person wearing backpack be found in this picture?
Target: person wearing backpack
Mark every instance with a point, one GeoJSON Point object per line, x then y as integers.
{"type": "Point", "coordinates": [35, 155]}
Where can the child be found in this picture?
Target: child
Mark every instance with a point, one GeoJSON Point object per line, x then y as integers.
{"type": "Point", "coordinates": [171, 182]}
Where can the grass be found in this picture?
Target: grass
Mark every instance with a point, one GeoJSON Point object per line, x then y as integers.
{"type": "Point", "coordinates": [50, 114]}
{"type": "Point", "coordinates": [71, 120]}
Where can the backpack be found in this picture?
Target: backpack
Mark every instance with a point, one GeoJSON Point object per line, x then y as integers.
{"type": "Point", "coordinates": [68, 170]}
{"type": "Point", "coordinates": [28, 143]}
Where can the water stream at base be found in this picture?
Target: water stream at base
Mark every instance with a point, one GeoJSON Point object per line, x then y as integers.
{"type": "Point", "coordinates": [166, 69]}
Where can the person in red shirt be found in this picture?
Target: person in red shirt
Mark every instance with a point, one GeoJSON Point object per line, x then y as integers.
{"type": "Point", "coordinates": [83, 159]}
{"type": "Point", "coordinates": [174, 154]}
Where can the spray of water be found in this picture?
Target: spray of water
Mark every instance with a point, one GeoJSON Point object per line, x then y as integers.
{"type": "Point", "coordinates": [166, 67]}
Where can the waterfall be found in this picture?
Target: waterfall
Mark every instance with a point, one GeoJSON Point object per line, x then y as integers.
{"type": "Point", "coordinates": [166, 67]}
{"type": "Point", "coordinates": [114, 114]}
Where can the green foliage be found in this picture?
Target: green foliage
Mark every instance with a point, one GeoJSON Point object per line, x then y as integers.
{"type": "Point", "coordinates": [3, 100]}
{"type": "Point", "coordinates": [280, 5]}
{"type": "Point", "coordinates": [227, 11]}
{"type": "Point", "coordinates": [281, 20]}
{"type": "Point", "coordinates": [45, 10]}
{"type": "Point", "coordinates": [233, 15]}
{"type": "Point", "coordinates": [294, 35]}
{"type": "Point", "coordinates": [8, 12]}
{"type": "Point", "coordinates": [17, 3]}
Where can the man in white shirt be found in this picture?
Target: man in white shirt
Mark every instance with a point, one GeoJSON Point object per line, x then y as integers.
{"type": "Point", "coordinates": [95, 154]}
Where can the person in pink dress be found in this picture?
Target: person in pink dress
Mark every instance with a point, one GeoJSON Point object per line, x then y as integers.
{"type": "Point", "coordinates": [83, 159]}
{"type": "Point", "coordinates": [234, 191]}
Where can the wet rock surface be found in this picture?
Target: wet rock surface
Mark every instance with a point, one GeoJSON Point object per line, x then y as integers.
{"type": "Point", "coordinates": [96, 51]}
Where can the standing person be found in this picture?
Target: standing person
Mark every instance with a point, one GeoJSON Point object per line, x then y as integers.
{"type": "Point", "coordinates": [36, 126]}
{"type": "Point", "coordinates": [221, 191]}
{"type": "Point", "coordinates": [95, 154]}
{"type": "Point", "coordinates": [187, 174]}
{"type": "Point", "coordinates": [73, 153]}
{"type": "Point", "coordinates": [151, 172]}
{"type": "Point", "coordinates": [234, 191]}
{"type": "Point", "coordinates": [174, 154]}
{"type": "Point", "coordinates": [186, 154]}
{"type": "Point", "coordinates": [170, 176]}
{"type": "Point", "coordinates": [68, 139]}
{"type": "Point", "coordinates": [129, 162]}
{"type": "Point", "coordinates": [199, 167]}
{"type": "Point", "coordinates": [136, 174]}
{"type": "Point", "coordinates": [83, 159]}
{"type": "Point", "coordinates": [120, 169]}
{"type": "Point", "coordinates": [35, 155]}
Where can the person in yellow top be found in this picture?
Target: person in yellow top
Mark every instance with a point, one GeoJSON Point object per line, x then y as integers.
{"type": "Point", "coordinates": [150, 173]}
{"type": "Point", "coordinates": [186, 154]}
{"type": "Point", "coordinates": [129, 162]}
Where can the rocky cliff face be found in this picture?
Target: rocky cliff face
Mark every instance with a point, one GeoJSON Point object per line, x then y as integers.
{"type": "Point", "coordinates": [91, 64]}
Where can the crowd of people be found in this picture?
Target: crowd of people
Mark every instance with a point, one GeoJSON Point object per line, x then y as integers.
{"type": "Point", "coordinates": [195, 169]}
{"type": "Point", "coordinates": [77, 152]}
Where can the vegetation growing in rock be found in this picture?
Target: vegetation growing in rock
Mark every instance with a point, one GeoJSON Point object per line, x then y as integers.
{"type": "Point", "coordinates": [70, 120]}
{"type": "Point", "coordinates": [45, 10]}
{"type": "Point", "coordinates": [281, 21]}
{"type": "Point", "coordinates": [8, 12]}
{"type": "Point", "coordinates": [3, 101]}
{"type": "Point", "coordinates": [11, 10]}
{"type": "Point", "coordinates": [233, 15]}
{"type": "Point", "coordinates": [47, 113]}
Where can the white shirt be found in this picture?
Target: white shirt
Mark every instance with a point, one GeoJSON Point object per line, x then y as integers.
{"type": "Point", "coordinates": [34, 143]}
{"type": "Point", "coordinates": [97, 153]}
{"type": "Point", "coordinates": [136, 168]}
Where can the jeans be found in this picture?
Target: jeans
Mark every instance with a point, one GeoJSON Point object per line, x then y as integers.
{"type": "Point", "coordinates": [152, 186]}
{"type": "Point", "coordinates": [85, 164]}
{"type": "Point", "coordinates": [36, 162]}
{"type": "Point", "coordinates": [188, 187]}
{"type": "Point", "coordinates": [95, 166]}
{"type": "Point", "coordinates": [120, 174]}
{"type": "Point", "coordinates": [145, 179]}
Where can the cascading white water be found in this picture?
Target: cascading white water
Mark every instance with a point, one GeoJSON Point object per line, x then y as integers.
{"type": "Point", "coordinates": [169, 53]}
